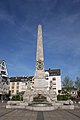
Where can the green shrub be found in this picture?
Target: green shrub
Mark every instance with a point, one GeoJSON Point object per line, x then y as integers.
{"type": "Point", "coordinates": [62, 97]}
{"type": "Point", "coordinates": [17, 98]}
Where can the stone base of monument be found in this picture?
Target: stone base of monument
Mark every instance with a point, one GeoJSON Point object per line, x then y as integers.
{"type": "Point", "coordinates": [39, 107]}
{"type": "Point", "coordinates": [40, 98]}
{"type": "Point", "coordinates": [40, 101]}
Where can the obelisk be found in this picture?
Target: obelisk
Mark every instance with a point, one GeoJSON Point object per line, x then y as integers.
{"type": "Point", "coordinates": [40, 91]}
{"type": "Point", "coordinates": [39, 55]}
{"type": "Point", "coordinates": [40, 82]}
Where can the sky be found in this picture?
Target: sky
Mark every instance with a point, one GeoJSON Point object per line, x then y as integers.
{"type": "Point", "coordinates": [60, 20]}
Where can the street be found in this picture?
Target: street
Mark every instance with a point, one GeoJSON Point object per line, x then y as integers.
{"type": "Point", "coordinates": [22, 114]}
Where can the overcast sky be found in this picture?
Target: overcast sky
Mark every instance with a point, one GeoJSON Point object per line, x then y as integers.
{"type": "Point", "coordinates": [60, 21]}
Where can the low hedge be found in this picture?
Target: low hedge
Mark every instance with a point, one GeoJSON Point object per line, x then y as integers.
{"type": "Point", "coordinates": [17, 98]}
{"type": "Point", "coordinates": [62, 97]}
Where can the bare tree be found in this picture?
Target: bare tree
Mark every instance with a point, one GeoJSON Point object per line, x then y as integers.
{"type": "Point", "coordinates": [67, 82]}
{"type": "Point", "coordinates": [77, 83]}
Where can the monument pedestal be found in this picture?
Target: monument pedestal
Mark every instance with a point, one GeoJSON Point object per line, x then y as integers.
{"type": "Point", "coordinates": [40, 84]}
{"type": "Point", "coordinates": [49, 95]}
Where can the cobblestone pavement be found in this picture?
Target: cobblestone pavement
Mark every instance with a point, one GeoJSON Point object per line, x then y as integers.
{"type": "Point", "coordinates": [18, 114]}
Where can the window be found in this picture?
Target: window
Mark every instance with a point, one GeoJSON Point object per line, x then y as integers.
{"type": "Point", "coordinates": [17, 87]}
{"type": "Point", "coordinates": [13, 83]}
{"type": "Point", "coordinates": [46, 78]}
{"type": "Point", "coordinates": [54, 79]}
{"type": "Point", "coordinates": [17, 83]}
{"type": "Point", "coordinates": [2, 68]}
{"type": "Point", "coordinates": [3, 72]}
{"type": "Point", "coordinates": [12, 91]}
{"type": "Point", "coordinates": [12, 87]}
{"type": "Point", "coordinates": [3, 64]}
{"type": "Point", "coordinates": [54, 88]}
{"type": "Point", "coordinates": [54, 83]}
{"type": "Point", "coordinates": [17, 91]}
{"type": "Point", "coordinates": [25, 83]}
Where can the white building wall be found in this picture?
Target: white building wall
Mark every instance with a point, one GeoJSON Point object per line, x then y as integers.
{"type": "Point", "coordinates": [3, 68]}
{"type": "Point", "coordinates": [20, 83]}
{"type": "Point", "coordinates": [23, 86]}
{"type": "Point", "coordinates": [58, 83]}
{"type": "Point", "coordinates": [55, 81]}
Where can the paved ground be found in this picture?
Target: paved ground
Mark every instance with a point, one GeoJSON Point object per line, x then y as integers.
{"type": "Point", "coordinates": [16, 114]}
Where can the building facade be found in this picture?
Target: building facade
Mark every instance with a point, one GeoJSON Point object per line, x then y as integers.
{"type": "Point", "coordinates": [3, 70]}
{"type": "Point", "coordinates": [4, 87]}
{"type": "Point", "coordinates": [53, 76]}
{"type": "Point", "coordinates": [21, 84]}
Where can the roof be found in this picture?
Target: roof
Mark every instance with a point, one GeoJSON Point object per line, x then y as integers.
{"type": "Point", "coordinates": [20, 78]}
{"type": "Point", "coordinates": [54, 72]}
